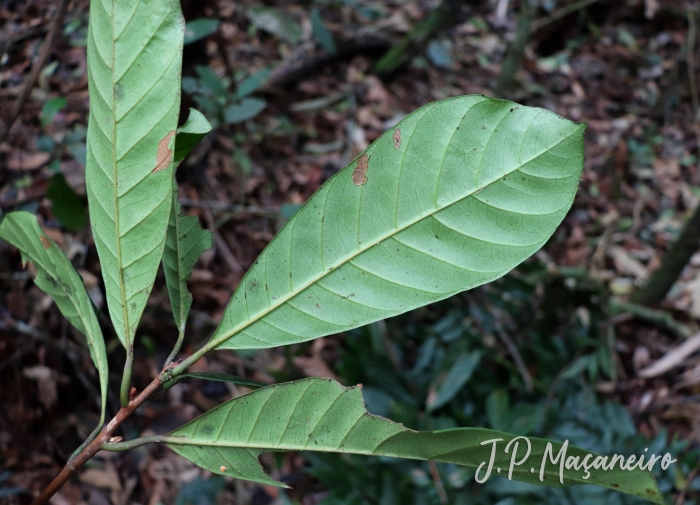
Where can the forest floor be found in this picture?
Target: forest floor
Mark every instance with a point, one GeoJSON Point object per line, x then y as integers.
{"type": "Point", "coordinates": [624, 68]}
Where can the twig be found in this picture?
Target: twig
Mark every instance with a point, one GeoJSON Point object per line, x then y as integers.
{"type": "Point", "coordinates": [437, 481]}
{"type": "Point", "coordinates": [517, 358]}
{"type": "Point", "coordinates": [271, 212]}
{"type": "Point", "coordinates": [553, 388]}
{"type": "Point", "coordinates": [659, 317]}
{"type": "Point", "coordinates": [516, 49]}
{"type": "Point", "coordinates": [96, 445]}
{"type": "Point", "coordinates": [43, 55]}
{"type": "Point", "coordinates": [690, 60]}
{"type": "Point", "coordinates": [564, 11]}
{"type": "Point", "coordinates": [289, 75]}
{"type": "Point", "coordinates": [226, 253]}
{"type": "Point", "coordinates": [403, 51]}
{"type": "Point", "coordinates": [599, 255]}
{"type": "Point", "coordinates": [691, 476]}
{"type": "Point", "coordinates": [661, 279]}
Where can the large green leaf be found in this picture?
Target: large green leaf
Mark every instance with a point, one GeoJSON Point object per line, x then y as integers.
{"type": "Point", "coordinates": [134, 68]}
{"type": "Point", "coordinates": [456, 195]}
{"type": "Point", "coordinates": [57, 278]}
{"type": "Point", "coordinates": [322, 415]}
{"type": "Point", "coordinates": [185, 241]}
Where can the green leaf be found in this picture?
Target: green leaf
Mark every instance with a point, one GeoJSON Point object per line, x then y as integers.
{"type": "Point", "coordinates": [134, 68]}
{"type": "Point", "coordinates": [195, 129]}
{"type": "Point", "coordinates": [455, 196]}
{"type": "Point", "coordinates": [69, 207]}
{"type": "Point", "coordinates": [322, 34]}
{"type": "Point", "coordinates": [246, 109]}
{"type": "Point", "coordinates": [57, 278]}
{"type": "Point", "coordinates": [51, 108]}
{"type": "Point", "coordinates": [185, 241]}
{"type": "Point", "coordinates": [198, 29]}
{"type": "Point", "coordinates": [252, 83]}
{"type": "Point", "coordinates": [275, 23]}
{"type": "Point", "coordinates": [321, 415]}
{"type": "Point", "coordinates": [456, 378]}
{"type": "Point", "coordinates": [439, 54]}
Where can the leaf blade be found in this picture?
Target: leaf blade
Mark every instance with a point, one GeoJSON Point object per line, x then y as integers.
{"type": "Point", "coordinates": [246, 109]}
{"type": "Point", "coordinates": [321, 415]}
{"type": "Point", "coordinates": [134, 68]}
{"type": "Point", "coordinates": [185, 242]}
{"type": "Point", "coordinates": [57, 277]}
{"type": "Point", "coordinates": [195, 129]}
{"type": "Point", "coordinates": [439, 190]}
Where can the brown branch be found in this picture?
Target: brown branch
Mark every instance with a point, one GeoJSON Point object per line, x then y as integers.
{"type": "Point", "coordinates": [661, 279]}
{"type": "Point", "coordinates": [96, 445]}
{"type": "Point", "coordinates": [43, 55]}
{"type": "Point", "coordinates": [289, 76]}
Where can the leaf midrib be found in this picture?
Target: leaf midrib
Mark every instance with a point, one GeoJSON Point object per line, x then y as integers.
{"type": "Point", "coordinates": [177, 440]}
{"type": "Point", "coordinates": [181, 288]}
{"type": "Point", "coordinates": [115, 186]}
{"type": "Point", "coordinates": [282, 300]}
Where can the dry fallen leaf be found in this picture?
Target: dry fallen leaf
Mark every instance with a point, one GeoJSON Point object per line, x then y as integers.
{"type": "Point", "coordinates": [315, 365]}
{"type": "Point", "coordinates": [625, 263]}
{"type": "Point", "coordinates": [672, 359]}
{"type": "Point", "coordinates": [106, 478]}
{"type": "Point", "coordinates": [20, 160]}
{"type": "Point", "coordinates": [46, 384]}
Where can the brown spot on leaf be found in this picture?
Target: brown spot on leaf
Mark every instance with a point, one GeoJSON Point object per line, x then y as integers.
{"type": "Point", "coordinates": [164, 156]}
{"type": "Point", "coordinates": [358, 175]}
{"type": "Point", "coordinates": [397, 138]}
{"type": "Point", "coordinates": [45, 241]}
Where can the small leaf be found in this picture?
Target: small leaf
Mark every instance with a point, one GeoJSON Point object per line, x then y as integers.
{"type": "Point", "coordinates": [274, 22]}
{"type": "Point", "coordinates": [134, 56]}
{"type": "Point", "coordinates": [438, 54]}
{"type": "Point", "coordinates": [456, 378]}
{"type": "Point", "coordinates": [322, 34]}
{"type": "Point", "coordinates": [247, 109]}
{"type": "Point", "coordinates": [50, 109]}
{"type": "Point", "coordinates": [195, 129]}
{"type": "Point", "coordinates": [57, 278]}
{"type": "Point", "coordinates": [252, 83]}
{"type": "Point", "coordinates": [69, 207]}
{"type": "Point", "coordinates": [322, 415]}
{"type": "Point", "coordinates": [198, 29]}
{"type": "Point", "coordinates": [185, 241]}
{"type": "Point", "coordinates": [209, 80]}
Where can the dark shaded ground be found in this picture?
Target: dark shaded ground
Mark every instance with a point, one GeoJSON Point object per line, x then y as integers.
{"type": "Point", "coordinates": [622, 67]}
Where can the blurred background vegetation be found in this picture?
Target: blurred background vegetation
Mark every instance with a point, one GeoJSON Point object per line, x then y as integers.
{"type": "Point", "coordinates": [592, 340]}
